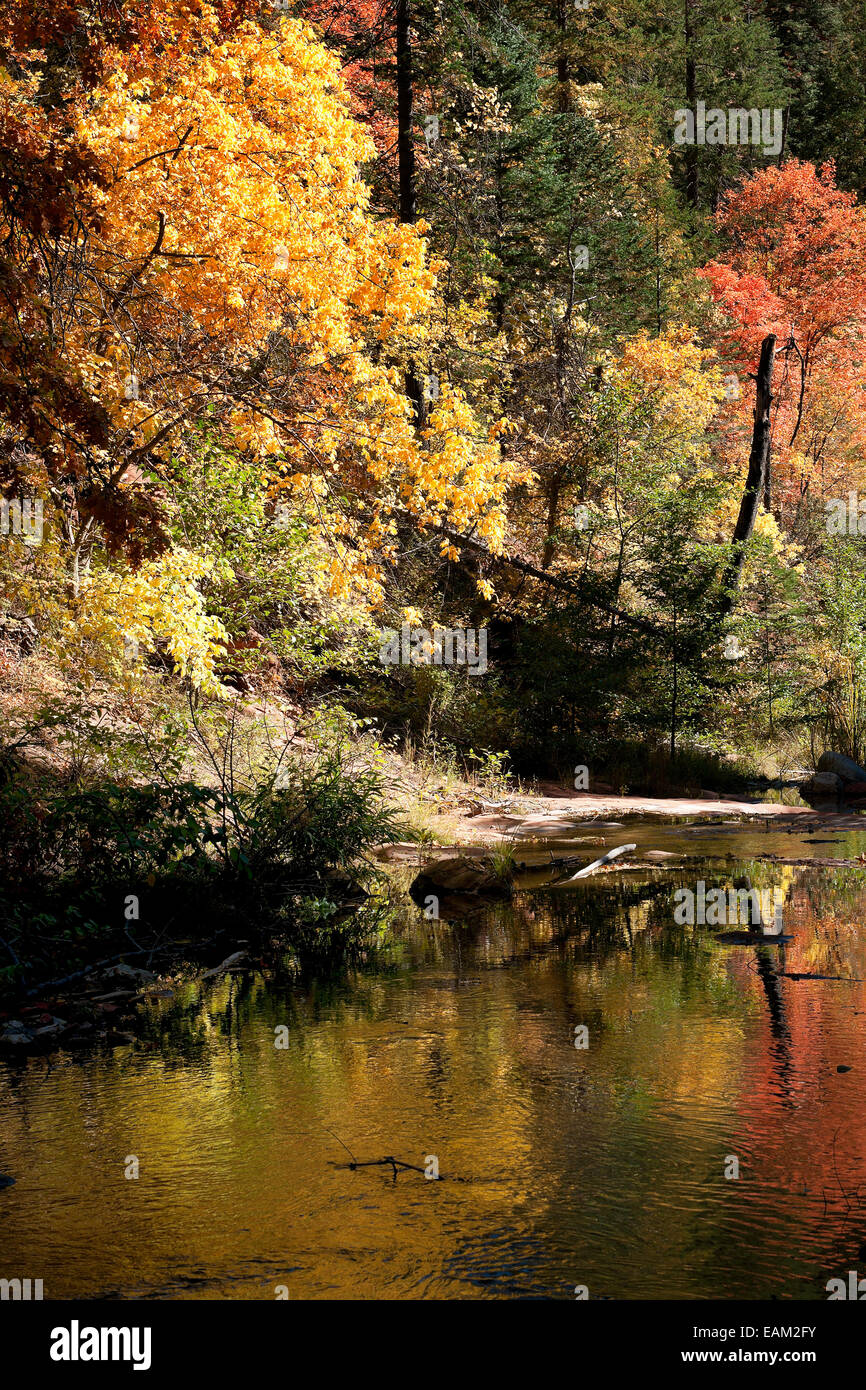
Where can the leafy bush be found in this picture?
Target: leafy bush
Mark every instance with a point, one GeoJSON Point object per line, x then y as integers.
{"type": "Point", "coordinates": [318, 814]}
{"type": "Point", "coordinates": [70, 857]}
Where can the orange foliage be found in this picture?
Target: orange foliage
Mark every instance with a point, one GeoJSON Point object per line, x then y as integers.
{"type": "Point", "coordinates": [213, 257]}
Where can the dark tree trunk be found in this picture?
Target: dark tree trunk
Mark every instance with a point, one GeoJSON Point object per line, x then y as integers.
{"type": "Point", "coordinates": [759, 462]}
{"type": "Point", "coordinates": [562, 79]}
{"type": "Point", "coordinates": [405, 98]}
{"type": "Point", "coordinates": [406, 165]}
{"type": "Point", "coordinates": [674, 693]}
{"type": "Point", "coordinates": [561, 333]}
{"type": "Point", "coordinates": [691, 101]}
{"type": "Point", "coordinates": [563, 74]}
{"type": "Point", "coordinates": [498, 300]}
{"type": "Point", "coordinates": [785, 120]}
{"type": "Point", "coordinates": [416, 396]}
{"type": "Point", "coordinates": [552, 514]}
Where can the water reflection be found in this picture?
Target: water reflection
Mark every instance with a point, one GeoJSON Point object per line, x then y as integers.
{"type": "Point", "coordinates": [560, 1166]}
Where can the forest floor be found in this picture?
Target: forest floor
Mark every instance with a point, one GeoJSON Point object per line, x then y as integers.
{"type": "Point", "coordinates": [435, 802]}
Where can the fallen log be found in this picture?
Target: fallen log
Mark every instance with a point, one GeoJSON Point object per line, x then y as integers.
{"type": "Point", "coordinates": [597, 864]}
{"type": "Point", "coordinates": [224, 965]}
{"type": "Point", "coordinates": [91, 969]}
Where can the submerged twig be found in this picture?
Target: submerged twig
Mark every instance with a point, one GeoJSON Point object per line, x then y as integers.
{"type": "Point", "coordinates": [395, 1163]}
{"type": "Point", "coordinates": [339, 1141]}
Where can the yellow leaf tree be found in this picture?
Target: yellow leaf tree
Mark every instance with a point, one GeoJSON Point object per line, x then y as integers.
{"type": "Point", "coordinates": [230, 270]}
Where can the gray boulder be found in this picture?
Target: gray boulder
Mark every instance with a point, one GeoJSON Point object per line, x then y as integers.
{"type": "Point", "coordinates": [844, 768]}
{"type": "Point", "coordinates": [15, 1034]}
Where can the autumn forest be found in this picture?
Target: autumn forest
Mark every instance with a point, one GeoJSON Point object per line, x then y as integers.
{"type": "Point", "coordinates": [323, 319]}
{"type": "Point", "coordinates": [432, 436]}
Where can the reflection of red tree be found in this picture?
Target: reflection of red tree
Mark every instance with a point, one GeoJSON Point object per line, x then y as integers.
{"type": "Point", "coordinates": [793, 1102]}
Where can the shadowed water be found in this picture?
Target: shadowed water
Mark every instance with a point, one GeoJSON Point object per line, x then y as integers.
{"type": "Point", "coordinates": [559, 1166]}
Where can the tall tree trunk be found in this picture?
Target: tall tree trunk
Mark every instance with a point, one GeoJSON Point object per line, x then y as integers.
{"type": "Point", "coordinates": [759, 462]}
{"type": "Point", "coordinates": [405, 99]}
{"type": "Point", "coordinates": [563, 73]}
{"type": "Point", "coordinates": [560, 333]}
{"type": "Point", "coordinates": [499, 200]}
{"type": "Point", "coordinates": [552, 516]}
{"type": "Point", "coordinates": [785, 119]}
{"type": "Point", "coordinates": [406, 165]}
{"type": "Point", "coordinates": [691, 101]}
{"type": "Point", "coordinates": [674, 693]}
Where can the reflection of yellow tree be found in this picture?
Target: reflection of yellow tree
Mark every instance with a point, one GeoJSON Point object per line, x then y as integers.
{"type": "Point", "coordinates": [611, 1157]}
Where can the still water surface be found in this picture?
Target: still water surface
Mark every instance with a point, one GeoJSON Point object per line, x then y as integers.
{"type": "Point", "coordinates": [560, 1167]}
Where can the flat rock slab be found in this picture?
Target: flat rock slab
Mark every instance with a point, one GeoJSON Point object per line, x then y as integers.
{"type": "Point", "coordinates": [400, 852]}
{"type": "Point", "coordinates": [680, 806]}
{"type": "Point", "coordinates": [543, 825]}
{"type": "Point", "coordinates": [501, 825]}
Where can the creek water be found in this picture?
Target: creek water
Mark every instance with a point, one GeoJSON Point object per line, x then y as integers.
{"type": "Point", "coordinates": [560, 1166]}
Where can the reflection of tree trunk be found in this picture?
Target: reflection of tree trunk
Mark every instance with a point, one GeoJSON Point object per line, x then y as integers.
{"type": "Point", "coordinates": [773, 990]}
{"type": "Point", "coordinates": [770, 962]}
{"type": "Point", "coordinates": [756, 478]}
{"type": "Point", "coordinates": [766, 958]}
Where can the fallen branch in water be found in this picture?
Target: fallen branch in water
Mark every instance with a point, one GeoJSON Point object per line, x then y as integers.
{"type": "Point", "coordinates": [381, 1162]}
{"type": "Point", "coordinates": [562, 861]}
{"type": "Point", "coordinates": [87, 970]}
{"type": "Point", "coordinates": [376, 1162]}
{"type": "Point", "coordinates": [844, 979]}
{"type": "Point", "coordinates": [597, 863]}
{"type": "Point", "coordinates": [224, 965]}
